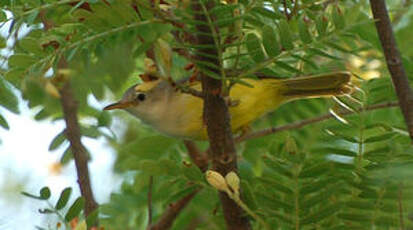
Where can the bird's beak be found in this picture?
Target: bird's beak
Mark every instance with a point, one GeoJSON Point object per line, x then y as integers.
{"type": "Point", "coordinates": [118, 105]}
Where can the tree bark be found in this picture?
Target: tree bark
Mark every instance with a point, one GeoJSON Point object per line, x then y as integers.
{"type": "Point", "coordinates": [394, 61]}
{"type": "Point", "coordinates": [70, 106]}
{"type": "Point", "coordinates": [217, 118]}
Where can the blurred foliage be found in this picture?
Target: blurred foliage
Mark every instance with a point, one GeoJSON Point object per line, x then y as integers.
{"type": "Point", "coordinates": [346, 173]}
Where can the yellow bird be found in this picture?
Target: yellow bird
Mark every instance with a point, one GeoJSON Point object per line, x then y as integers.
{"type": "Point", "coordinates": [172, 112]}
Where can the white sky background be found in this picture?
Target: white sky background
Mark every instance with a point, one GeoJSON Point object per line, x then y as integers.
{"type": "Point", "coordinates": [26, 165]}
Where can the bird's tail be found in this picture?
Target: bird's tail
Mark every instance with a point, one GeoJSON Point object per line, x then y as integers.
{"type": "Point", "coordinates": [331, 84]}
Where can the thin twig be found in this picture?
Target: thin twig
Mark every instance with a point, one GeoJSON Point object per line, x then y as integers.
{"type": "Point", "coordinates": [300, 124]}
{"type": "Point", "coordinates": [394, 61]}
{"type": "Point", "coordinates": [296, 7]}
{"type": "Point", "coordinates": [169, 216]}
{"type": "Point", "coordinates": [198, 157]}
{"type": "Point", "coordinates": [72, 132]}
{"type": "Point", "coordinates": [190, 91]}
{"type": "Point", "coordinates": [287, 15]}
{"type": "Point", "coordinates": [70, 106]}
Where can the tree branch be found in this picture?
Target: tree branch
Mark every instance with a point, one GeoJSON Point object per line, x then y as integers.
{"type": "Point", "coordinates": [394, 61]}
{"type": "Point", "coordinates": [72, 132]}
{"type": "Point", "coordinates": [70, 106]}
{"type": "Point", "coordinates": [198, 157]}
{"type": "Point", "coordinates": [216, 115]}
{"type": "Point", "coordinates": [300, 124]}
{"type": "Point", "coordinates": [169, 216]}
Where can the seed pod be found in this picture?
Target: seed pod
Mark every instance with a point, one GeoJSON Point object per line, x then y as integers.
{"type": "Point", "coordinates": [216, 180]}
{"type": "Point", "coordinates": [232, 180]}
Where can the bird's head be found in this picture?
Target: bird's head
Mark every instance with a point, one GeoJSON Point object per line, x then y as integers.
{"type": "Point", "coordinates": [145, 101]}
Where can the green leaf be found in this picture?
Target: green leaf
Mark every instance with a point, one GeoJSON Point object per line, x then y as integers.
{"type": "Point", "coordinates": [356, 217]}
{"type": "Point", "coordinates": [270, 41]}
{"type": "Point", "coordinates": [90, 131]}
{"type": "Point", "coordinates": [378, 138]}
{"type": "Point", "coordinates": [170, 167]}
{"type": "Point", "coordinates": [275, 185]}
{"type": "Point", "coordinates": [15, 76]}
{"type": "Point", "coordinates": [319, 215]}
{"type": "Point", "coordinates": [151, 167]}
{"type": "Point", "coordinates": [57, 141]}
{"type": "Point", "coordinates": [75, 209]}
{"type": "Point", "coordinates": [193, 173]}
{"type": "Point", "coordinates": [248, 195]}
{"type": "Point", "coordinates": [315, 170]}
{"type": "Point", "coordinates": [3, 122]}
{"type": "Point", "coordinates": [92, 218]}
{"type": "Point", "coordinates": [3, 42]}
{"type": "Point", "coordinates": [358, 204]}
{"type": "Point", "coordinates": [254, 47]}
{"type": "Point", "coordinates": [181, 192]}
{"type": "Point", "coordinates": [316, 186]}
{"type": "Point", "coordinates": [263, 11]}
{"type": "Point", "coordinates": [7, 97]}
{"type": "Point", "coordinates": [278, 167]}
{"type": "Point", "coordinates": [21, 61]}
{"type": "Point", "coordinates": [306, 60]}
{"type": "Point", "coordinates": [303, 31]}
{"type": "Point", "coordinates": [3, 16]}
{"type": "Point", "coordinates": [31, 45]}
{"type": "Point", "coordinates": [104, 119]}
{"type": "Point", "coordinates": [67, 156]}
{"type": "Point", "coordinates": [45, 193]}
{"type": "Point", "coordinates": [321, 25]}
{"type": "Point", "coordinates": [336, 150]}
{"type": "Point", "coordinates": [64, 198]}
{"type": "Point", "coordinates": [149, 147]}
{"type": "Point", "coordinates": [272, 202]}
{"type": "Point", "coordinates": [287, 67]}
{"type": "Point", "coordinates": [285, 35]}
{"type": "Point", "coordinates": [342, 136]}
{"type": "Point", "coordinates": [323, 54]}
{"type": "Point", "coordinates": [338, 18]}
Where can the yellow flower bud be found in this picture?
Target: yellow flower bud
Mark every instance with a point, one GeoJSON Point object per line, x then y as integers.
{"type": "Point", "coordinates": [216, 180]}
{"type": "Point", "coordinates": [232, 180]}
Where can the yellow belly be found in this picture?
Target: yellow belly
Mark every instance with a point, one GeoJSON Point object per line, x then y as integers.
{"type": "Point", "coordinates": [249, 103]}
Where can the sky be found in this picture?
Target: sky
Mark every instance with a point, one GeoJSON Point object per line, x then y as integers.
{"type": "Point", "coordinates": [27, 165]}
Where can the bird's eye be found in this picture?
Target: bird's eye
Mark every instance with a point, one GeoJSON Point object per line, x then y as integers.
{"type": "Point", "coordinates": [140, 97]}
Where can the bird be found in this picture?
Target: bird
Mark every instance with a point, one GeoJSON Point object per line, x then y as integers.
{"type": "Point", "coordinates": [160, 104]}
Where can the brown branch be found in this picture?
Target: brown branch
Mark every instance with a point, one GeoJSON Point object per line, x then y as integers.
{"type": "Point", "coordinates": [169, 216]}
{"type": "Point", "coordinates": [70, 106]}
{"type": "Point", "coordinates": [394, 61]}
{"type": "Point", "coordinates": [300, 124]}
{"type": "Point", "coordinates": [198, 157]}
{"type": "Point", "coordinates": [216, 116]}
{"type": "Point", "coordinates": [287, 15]}
{"type": "Point", "coordinates": [72, 132]}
